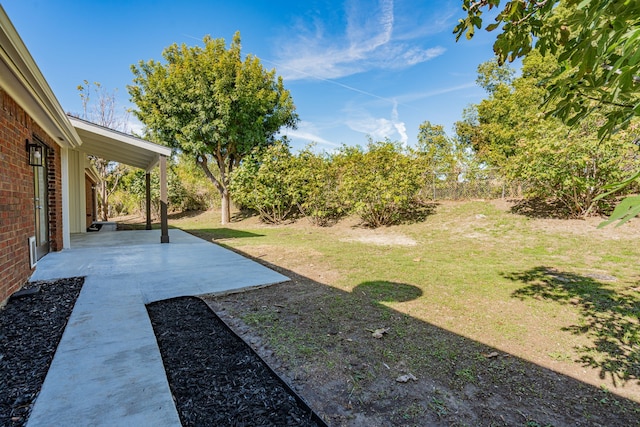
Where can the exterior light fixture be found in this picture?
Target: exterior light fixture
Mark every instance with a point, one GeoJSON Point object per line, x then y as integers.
{"type": "Point", "coordinates": [35, 154]}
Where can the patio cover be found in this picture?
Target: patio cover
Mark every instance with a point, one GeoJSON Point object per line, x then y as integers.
{"type": "Point", "coordinates": [117, 146]}
{"type": "Point", "coordinates": [120, 147]}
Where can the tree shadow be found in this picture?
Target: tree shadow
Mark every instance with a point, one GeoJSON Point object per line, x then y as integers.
{"type": "Point", "coordinates": [185, 214]}
{"type": "Point", "coordinates": [213, 234]}
{"type": "Point", "coordinates": [318, 330]}
{"type": "Point", "coordinates": [242, 214]}
{"type": "Point", "coordinates": [384, 291]}
{"type": "Point", "coordinates": [540, 208]}
{"type": "Point", "coordinates": [609, 318]}
{"type": "Point", "coordinates": [418, 212]}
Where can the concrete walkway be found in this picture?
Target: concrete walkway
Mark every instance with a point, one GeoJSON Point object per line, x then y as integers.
{"type": "Point", "coordinates": [107, 370]}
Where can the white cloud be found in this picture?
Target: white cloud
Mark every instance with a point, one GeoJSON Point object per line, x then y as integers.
{"type": "Point", "coordinates": [368, 42]}
{"type": "Point", "coordinates": [376, 128]}
{"type": "Point", "coordinates": [134, 126]}
{"type": "Point", "coordinates": [307, 132]}
{"type": "Point", "coordinates": [400, 126]}
{"type": "Point", "coordinates": [379, 128]}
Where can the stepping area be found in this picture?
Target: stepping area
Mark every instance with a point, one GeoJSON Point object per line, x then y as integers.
{"type": "Point", "coordinates": [107, 369]}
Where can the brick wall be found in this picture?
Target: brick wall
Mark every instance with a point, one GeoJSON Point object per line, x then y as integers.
{"type": "Point", "coordinates": [17, 220]}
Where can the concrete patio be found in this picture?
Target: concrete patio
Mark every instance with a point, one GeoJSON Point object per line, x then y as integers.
{"type": "Point", "coordinates": [107, 369]}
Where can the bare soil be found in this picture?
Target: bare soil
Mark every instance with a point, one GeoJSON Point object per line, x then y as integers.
{"type": "Point", "coordinates": [344, 373]}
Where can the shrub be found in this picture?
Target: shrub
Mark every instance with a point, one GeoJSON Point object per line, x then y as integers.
{"type": "Point", "coordinates": [379, 184]}
{"type": "Point", "coordinates": [318, 185]}
{"type": "Point", "coordinates": [266, 183]}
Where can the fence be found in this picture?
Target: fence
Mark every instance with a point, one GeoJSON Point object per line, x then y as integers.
{"type": "Point", "coordinates": [484, 185]}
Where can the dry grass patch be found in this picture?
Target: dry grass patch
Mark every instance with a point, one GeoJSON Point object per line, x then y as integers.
{"type": "Point", "coordinates": [502, 319]}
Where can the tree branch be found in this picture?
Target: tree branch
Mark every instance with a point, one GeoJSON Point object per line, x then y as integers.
{"type": "Point", "coordinates": [202, 161]}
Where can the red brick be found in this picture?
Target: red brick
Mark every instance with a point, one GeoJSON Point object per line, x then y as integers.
{"type": "Point", "coordinates": [16, 195]}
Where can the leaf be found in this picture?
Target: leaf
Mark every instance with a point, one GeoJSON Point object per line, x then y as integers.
{"type": "Point", "coordinates": [626, 210]}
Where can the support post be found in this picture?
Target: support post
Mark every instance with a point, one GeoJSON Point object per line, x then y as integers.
{"type": "Point", "coordinates": [164, 226]}
{"type": "Point", "coordinates": [148, 202]}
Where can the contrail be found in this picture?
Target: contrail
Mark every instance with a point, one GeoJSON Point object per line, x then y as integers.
{"type": "Point", "coordinates": [333, 82]}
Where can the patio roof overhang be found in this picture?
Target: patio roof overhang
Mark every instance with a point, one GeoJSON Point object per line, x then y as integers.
{"type": "Point", "coordinates": [116, 146]}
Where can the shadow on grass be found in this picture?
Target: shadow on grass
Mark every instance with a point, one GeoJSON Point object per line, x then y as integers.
{"type": "Point", "coordinates": [540, 208]}
{"type": "Point", "coordinates": [418, 212]}
{"type": "Point", "coordinates": [318, 331]}
{"type": "Point", "coordinates": [222, 233]}
{"type": "Point", "coordinates": [185, 214]}
{"type": "Point", "coordinates": [610, 318]}
{"type": "Point", "coordinates": [383, 291]}
{"type": "Point", "coordinates": [242, 215]}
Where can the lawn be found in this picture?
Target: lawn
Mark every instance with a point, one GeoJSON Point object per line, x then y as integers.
{"type": "Point", "coordinates": [484, 307]}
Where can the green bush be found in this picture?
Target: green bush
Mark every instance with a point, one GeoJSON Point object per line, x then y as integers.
{"type": "Point", "coordinates": [379, 184]}
{"type": "Point", "coordinates": [318, 185]}
{"type": "Point", "coordinates": [266, 183]}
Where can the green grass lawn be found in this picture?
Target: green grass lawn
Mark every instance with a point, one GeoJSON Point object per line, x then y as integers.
{"type": "Point", "coordinates": [559, 293]}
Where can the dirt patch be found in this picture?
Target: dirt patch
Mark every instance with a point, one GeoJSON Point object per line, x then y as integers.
{"type": "Point", "coordinates": [350, 378]}
{"type": "Point", "coordinates": [378, 238]}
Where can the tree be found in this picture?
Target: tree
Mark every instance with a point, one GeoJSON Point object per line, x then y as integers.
{"type": "Point", "coordinates": [493, 74]}
{"type": "Point", "coordinates": [598, 47]}
{"type": "Point", "coordinates": [211, 104]}
{"type": "Point", "coordinates": [266, 181]}
{"type": "Point", "coordinates": [380, 184]}
{"type": "Point", "coordinates": [597, 43]}
{"type": "Point", "coordinates": [319, 186]}
{"type": "Point", "coordinates": [435, 149]}
{"type": "Point", "coordinates": [570, 165]}
{"type": "Point", "coordinates": [104, 113]}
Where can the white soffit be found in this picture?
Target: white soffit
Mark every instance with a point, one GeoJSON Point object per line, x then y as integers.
{"type": "Point", "coordinates": [117, 146]}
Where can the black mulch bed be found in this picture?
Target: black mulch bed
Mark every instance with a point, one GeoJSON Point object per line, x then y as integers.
{"type": "Point", "coordinates": [215, 377]}
{"type": "Point", "coordinates": [31, 326]}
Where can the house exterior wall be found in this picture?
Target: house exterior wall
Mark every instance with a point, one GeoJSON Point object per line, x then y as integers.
{"type": "Point", "coordinates": [17, 212]}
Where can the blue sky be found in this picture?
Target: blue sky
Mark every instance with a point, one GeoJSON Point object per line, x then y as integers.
{"type": "Point", "coordinates": [355, 68]}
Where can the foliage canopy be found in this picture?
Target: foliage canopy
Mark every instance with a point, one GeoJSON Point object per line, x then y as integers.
{"type": "Point", "coordinates": [597, 44]}
{"type": "Point", "coordinates": [212, 104]}
{"type": "Point", "coordinates": [570, 165]}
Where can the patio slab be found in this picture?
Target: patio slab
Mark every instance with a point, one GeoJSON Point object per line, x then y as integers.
{"type": "Point", "coordinates": [107, 369]}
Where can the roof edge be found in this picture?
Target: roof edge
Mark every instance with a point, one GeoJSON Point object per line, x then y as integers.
{"type": "Point", "coordinates": [120, 136]}
{"type": "Point", "coordinates": [25, 83]}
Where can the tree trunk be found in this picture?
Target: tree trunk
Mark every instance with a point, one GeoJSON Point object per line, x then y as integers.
{"type": "Point", "coordinates": [224, 192]}
{"type": "Point", "coordinates": [226, 207]}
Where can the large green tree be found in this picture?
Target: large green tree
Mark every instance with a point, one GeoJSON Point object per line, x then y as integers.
{"type": "Point", "coordinates": [211, 103]}
{"type": "Point", "coordinates": [570, 165]}
{"type": "Point", "coordinates": [597, 43]}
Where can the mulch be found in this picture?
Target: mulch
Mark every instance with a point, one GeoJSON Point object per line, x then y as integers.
{"type": "Point", "coordinates": [215, 377]}
{"type": "Point", "coordinates": [31, 326]}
